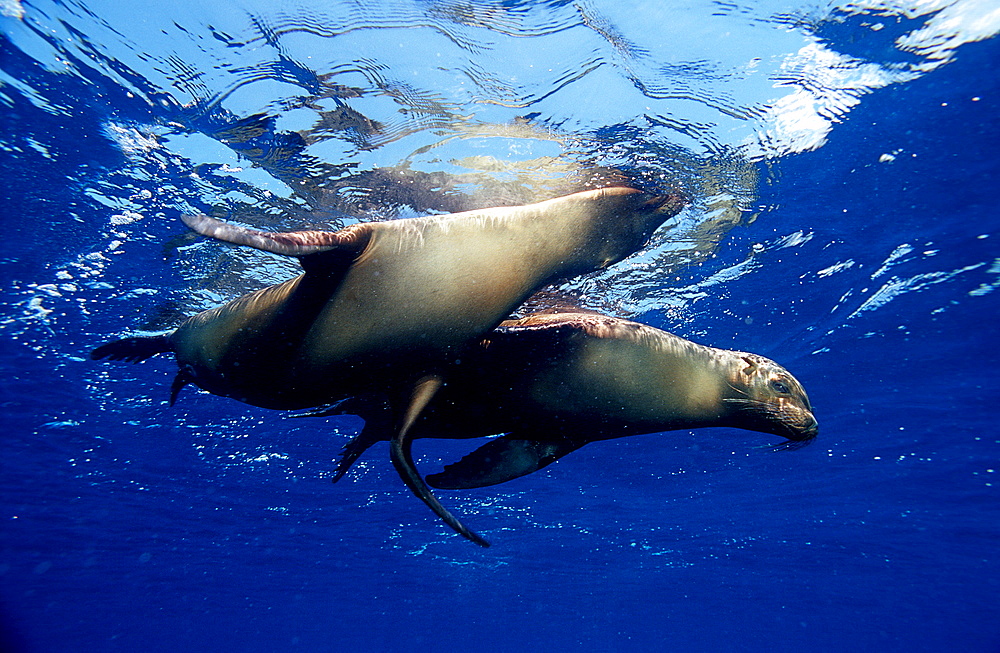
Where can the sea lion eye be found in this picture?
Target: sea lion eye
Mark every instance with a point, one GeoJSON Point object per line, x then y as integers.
{"type": "Point", "coordinates": [780, 387]}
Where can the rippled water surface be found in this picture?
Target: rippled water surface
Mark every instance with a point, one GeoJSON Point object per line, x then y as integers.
{"type": "Point", "coordinates": [840, 160]}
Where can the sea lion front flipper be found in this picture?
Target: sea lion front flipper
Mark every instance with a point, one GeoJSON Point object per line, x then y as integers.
{"type": "Point", "coordinates": [402, 457]}
{"type": "Point", "coordinates": [351, 239]}
{"type": "Point", "coordinates": [500, 460]}
{"type": "Point", "coordinates": [182, 379]}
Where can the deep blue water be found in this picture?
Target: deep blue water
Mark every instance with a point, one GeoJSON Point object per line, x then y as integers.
{"type": "Point", "coordinates": [843, 172]}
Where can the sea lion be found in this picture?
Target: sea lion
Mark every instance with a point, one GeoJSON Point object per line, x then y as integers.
{"type": "Point", "coordinates": [552, 383]}
{"type": "Point", "coordinates": [389, 304]}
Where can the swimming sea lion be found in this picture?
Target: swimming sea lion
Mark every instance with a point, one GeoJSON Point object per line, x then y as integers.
{"type": "Point", "coordinates": [551, 383]}
{"type": "Point", "coordinates": [388, 304]}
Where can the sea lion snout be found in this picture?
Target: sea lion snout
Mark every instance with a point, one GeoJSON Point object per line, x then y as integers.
{"type": "Point", "coordinates": [802, 429]}
{"type": "Point", "coordinates": [796, 423]}
{"type": "Point", "coordinates": [669, 203]}
{"type": "Point", "coordinates": [811, 430]}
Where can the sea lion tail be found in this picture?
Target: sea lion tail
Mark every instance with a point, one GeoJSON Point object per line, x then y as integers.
{"type": "Point", "coordinates": [294, 243]}
{"type": "Point", "coordinates": [134, 350]}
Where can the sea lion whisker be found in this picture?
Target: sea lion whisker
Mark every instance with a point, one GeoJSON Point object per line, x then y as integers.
{"type": "Point", "coordinates": [794, 445]}
{"type": "Point", "coordinates": [755, 405]}
{"type": "Point", "coordinates": [736, 389]}
{"type": "Point", "coordinates": [787, 445]}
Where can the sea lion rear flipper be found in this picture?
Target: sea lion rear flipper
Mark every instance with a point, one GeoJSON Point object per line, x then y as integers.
{"type": "Point", "coordinates": [402, 457]}
{"type": "Point", "coordinates": [137, 349]}
{"type": "Point", "coordinates": [133, 350]}
{"type": "Point", "coordinates": [500, 460]}
{"type": "Point", "coordinates": [351, 239]}
{"type": "Point", "coordinates": [364, 406]}
{"type": "Point", "coordinates": [356, 446]}
{"type": "Point", "coordinates": [378, 427]}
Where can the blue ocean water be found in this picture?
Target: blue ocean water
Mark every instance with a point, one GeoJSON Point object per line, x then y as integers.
{"type": "Point", "coordinates": [841, 161]}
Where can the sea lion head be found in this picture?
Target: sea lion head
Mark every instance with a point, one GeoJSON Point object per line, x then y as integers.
{"type": "Point", "coordinates": [765, 397]}
{"type": "Point", "coordinates": [631, 216]}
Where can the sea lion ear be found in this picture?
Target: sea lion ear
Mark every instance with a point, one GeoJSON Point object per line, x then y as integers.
{"type": "Point", "coordinates": [751, 367]}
